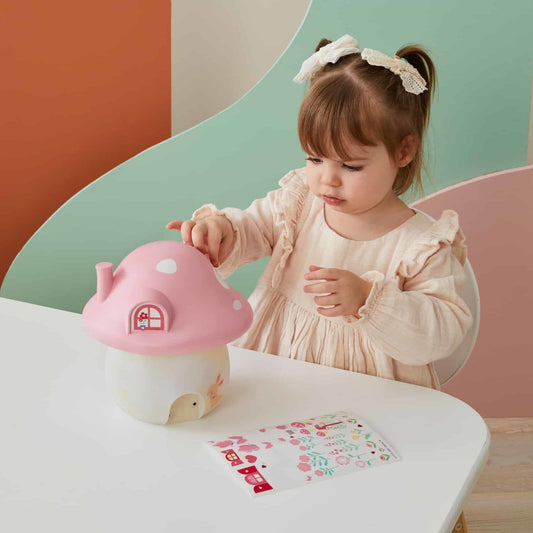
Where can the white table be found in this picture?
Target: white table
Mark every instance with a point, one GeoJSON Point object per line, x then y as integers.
{"type": "Point", "coordinates": [71, 461]}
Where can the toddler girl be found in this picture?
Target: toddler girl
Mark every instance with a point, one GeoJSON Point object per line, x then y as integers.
{"type": "Point", "coordinates": [357, 280]}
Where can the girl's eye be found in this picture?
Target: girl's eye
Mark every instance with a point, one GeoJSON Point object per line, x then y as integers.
{"type": "Point", "coordinates": [352, 169]}
{"type": "Point", "coordinates": [316, 161]}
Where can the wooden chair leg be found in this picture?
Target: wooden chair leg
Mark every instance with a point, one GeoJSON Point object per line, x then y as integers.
{"type": "Point", "coordinates": [460, 524]}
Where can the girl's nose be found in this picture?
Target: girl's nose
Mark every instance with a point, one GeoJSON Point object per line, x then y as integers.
{"type": "Point", "coordinates": [330, 177]}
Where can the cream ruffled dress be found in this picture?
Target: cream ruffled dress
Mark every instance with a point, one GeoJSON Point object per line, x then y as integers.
{"type": "Point", "coordinates": [413, 316]}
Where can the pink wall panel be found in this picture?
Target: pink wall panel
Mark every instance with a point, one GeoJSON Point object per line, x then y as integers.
{"type": "Point", "coordinates": [496, 216]}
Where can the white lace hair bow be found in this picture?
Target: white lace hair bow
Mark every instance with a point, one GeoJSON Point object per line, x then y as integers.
{"type": "Point", "coordinates": [327, 54]}
{"type": "Point", "coordinates": [412, 81]}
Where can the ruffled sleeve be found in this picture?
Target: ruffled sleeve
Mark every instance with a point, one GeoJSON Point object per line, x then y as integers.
{"type": "Point", "coordinates": [265, 223]}
{"type": "Point", "coordinates": [419, 316]}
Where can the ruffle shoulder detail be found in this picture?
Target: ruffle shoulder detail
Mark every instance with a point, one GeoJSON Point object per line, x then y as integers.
{"type": "Point", "coordinates": [445, 230]}
{"type": "Point", "coordinates": [288, 205]}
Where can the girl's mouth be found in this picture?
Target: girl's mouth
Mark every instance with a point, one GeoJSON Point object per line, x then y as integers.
{"type": "Point", "coordinates": [331, 200]}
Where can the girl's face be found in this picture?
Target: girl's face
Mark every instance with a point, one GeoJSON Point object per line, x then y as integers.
{"type": "Point", "coordinates": [354, 186]}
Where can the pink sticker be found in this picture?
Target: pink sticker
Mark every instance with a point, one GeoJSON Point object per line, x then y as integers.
{"type": "Point", "coordinates": [304, 467]}
{"type": "Point", "coordinates": [224, 443]}
{"type": "Point", "coordinates": [248, 448]}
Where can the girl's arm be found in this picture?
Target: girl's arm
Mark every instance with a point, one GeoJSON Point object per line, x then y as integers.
{"type": "Point", "coordinates": [253, 229]}
{"type": "Point", "coordinates": [425, 321]}
{"type": "Point", "coordinates": [258, 227]}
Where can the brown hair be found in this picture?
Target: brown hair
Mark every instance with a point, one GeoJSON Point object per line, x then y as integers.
{"type": "Point", "coordinates": [351, 100]}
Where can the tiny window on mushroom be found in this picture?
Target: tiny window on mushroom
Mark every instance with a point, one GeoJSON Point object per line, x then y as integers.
{"type": "Point", "coordinates": [147, 317]}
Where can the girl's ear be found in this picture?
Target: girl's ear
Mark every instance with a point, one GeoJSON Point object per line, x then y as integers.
{"type": "Point", "coordinates": [407, 150]}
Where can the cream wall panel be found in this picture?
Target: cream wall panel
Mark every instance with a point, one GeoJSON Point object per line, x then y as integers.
{"type": "Point", "coordinates": [221, 49]}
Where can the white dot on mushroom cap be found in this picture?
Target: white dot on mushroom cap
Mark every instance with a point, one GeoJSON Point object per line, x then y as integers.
{"type": "Point", "coordinates": [221, 280]}
{"type": "Point", "coordinates": [237, 305]}
{"type": "Point", "coordinates": [167, 266]}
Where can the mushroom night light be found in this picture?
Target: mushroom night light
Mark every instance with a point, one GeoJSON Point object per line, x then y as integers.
{"type": "Point", "coordinates": [166, 316]}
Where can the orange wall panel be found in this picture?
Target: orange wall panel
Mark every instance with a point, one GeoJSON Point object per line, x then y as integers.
{"type": "Point", "coordinates": [84, 87]}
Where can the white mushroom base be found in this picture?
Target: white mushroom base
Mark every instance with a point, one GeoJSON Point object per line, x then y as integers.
{"type": "Point", "coordinates": [165, 389]}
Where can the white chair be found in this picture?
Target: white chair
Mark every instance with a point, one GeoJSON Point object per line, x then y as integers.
{"type": "Point", "coordinates": [449, 367]}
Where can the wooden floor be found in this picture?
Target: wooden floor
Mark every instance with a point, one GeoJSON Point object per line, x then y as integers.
{"type": "Point", "coordinates": [503, 498]}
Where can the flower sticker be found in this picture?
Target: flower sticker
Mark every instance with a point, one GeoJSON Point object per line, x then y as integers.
{"type": "Point", "coordinates": [342, 460]}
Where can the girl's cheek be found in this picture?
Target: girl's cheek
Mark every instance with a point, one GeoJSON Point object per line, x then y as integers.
{"type": "Point", "coordinates": [363, 186]}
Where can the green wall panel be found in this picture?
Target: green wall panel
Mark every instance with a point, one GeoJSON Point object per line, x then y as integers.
{"type": "Point", "coordinates": [483, 51]}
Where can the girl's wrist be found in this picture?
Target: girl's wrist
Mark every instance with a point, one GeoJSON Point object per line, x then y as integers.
{"type": "Point", "coordinates": [366, 289]}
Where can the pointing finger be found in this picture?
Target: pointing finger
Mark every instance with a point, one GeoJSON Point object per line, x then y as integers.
{"type": "Point", "coordinates": [175, 224]}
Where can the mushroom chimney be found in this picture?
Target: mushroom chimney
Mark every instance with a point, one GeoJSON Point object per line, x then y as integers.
{"type": "Point", "coordinates": [104, 280]}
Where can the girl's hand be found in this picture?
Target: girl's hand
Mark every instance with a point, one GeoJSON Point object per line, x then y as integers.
{"type": "Point", "coordinates": [348, 291]}
{"type": "Point", "coordinates": [211, 235]}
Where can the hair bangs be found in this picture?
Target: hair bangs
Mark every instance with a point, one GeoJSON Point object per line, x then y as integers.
{"type": "Point", "coordinates": [333, 117]}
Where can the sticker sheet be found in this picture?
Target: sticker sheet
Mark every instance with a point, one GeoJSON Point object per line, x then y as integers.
{"type": "Point", "coordinates": [298, 453]}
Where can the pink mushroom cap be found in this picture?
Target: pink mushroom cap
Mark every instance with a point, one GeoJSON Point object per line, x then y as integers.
{"type": "Point", "coordinates": [187, 305]}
